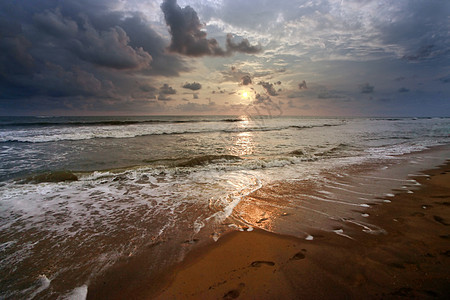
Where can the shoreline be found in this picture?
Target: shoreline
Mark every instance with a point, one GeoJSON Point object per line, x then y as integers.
{"type": "Point", "coordinates": [410, 260]}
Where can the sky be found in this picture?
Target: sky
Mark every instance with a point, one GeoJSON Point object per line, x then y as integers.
{"type": "Point", "coordinates": [225, 57]}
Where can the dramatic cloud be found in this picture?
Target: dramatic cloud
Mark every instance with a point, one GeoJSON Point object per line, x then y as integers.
{"type": "Point", "coordinates": [167, 90]}
{"type": "Point", "coordinates": [99, 56]}
{"type": "Point", "coordinates": [55, 24]}
{"type": "Point", "coordinates": [107, 48]}
{"type": "Point", "coordinates": [111, 49]}
{"type": "Point", "coordinates": [243, 47]}
{"type": "Point", "coordinates": [15, 58]}
{"type": "Point", "coordinates": [189, 39]}
{"type": "Point", "coordinates": [269, 88]}
{"type": "Point", "coordinates": [79, 50]}
{"type": "Point", "coordinates": [192, 86]}
{"type": "Point", "coordinates": [367, 88]}
{"type": "Point", "coordinates": [246, 80]}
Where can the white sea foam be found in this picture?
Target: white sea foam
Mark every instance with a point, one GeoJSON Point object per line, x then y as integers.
{"type": "Point", "coordinates": [79, 293]}
{"type": "Point", "coordinates": [44, 284]}
{"type": "Point", "coordinates": [341, 233]}
{"type": "Point", "coordinates": [75, 133]}
{"type": "Point", "coordinates": [153, 200]}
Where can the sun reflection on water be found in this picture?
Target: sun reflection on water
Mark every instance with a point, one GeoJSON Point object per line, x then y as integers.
{"type": "Point", "coordinates": [243, 144]}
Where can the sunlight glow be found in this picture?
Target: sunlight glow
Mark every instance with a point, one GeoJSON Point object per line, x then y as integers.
{"type": "Point", "coordinates": [243, 144]}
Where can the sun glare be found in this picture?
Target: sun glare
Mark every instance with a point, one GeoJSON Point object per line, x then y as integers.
{"type": "Point", "coordinates": [244, 95]}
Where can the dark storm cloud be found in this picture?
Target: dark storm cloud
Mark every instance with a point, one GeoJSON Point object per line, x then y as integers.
{"type": "Point", "coordinates": [187, 36]}
{"type": "Point", "coordinates": [79, 50]}
{"type": "Point", "coordinates": [167, 90]}
{"type": "Point", "coordinates": [14, 46]}
{"type": "Point", "coordinates": [189, 39]}
{"type": "Point", "coordinates": [243, 47]}
{"type": "Point", "coordinates": [246, 80]}
{"type": "Point", "coordinates": [367, 88]}
{"type": "Point", "coordinates": [403, 90]}
{"type": "Point", "coordinates": [195, 86]}
{"type": "Point", "coordinates": [269, 88]}
{"type": "Point", "coordinates": [53, 23]}
{"type": "Point", "coordinates": [164, 91]}
{"type": "Point", "coordinates": [421, 29]}
{"type": "Point", "coordinates": [109, 47]}
{"type": "Point", "coordinates": [142, 35]}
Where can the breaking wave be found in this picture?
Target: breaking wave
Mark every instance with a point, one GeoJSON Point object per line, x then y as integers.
{"type": "Point", "coordinates": [77, 133]}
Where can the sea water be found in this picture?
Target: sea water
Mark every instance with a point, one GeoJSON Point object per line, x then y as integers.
{"type": "Point", "coordinates": [77, 194]}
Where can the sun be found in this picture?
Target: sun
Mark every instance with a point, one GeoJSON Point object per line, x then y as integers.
{"type": "Point", "coordinates": [244, 95]}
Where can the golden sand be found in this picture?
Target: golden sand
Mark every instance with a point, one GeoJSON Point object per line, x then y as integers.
{"type": "Point", "coordinates": [412, 259]}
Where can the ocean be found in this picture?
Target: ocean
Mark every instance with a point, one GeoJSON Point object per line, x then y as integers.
{"type": "Point", "coordinates": [79, 194]}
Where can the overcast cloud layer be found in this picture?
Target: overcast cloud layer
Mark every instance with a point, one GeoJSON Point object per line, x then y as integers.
{"type": "Point", "coordinates": [222, 56]}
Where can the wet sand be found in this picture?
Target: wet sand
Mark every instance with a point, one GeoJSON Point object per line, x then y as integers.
{"type": "Point", "coordinates": [411, 259]}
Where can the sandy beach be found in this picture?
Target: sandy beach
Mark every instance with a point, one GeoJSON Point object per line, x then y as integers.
{"type": "Point", "coordinates": [411, 259]}
{"type": "Point", "coordinates": [218, 149]}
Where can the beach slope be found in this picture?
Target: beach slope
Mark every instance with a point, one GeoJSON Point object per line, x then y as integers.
{"type": "Point", "coordinates": [411, 259]}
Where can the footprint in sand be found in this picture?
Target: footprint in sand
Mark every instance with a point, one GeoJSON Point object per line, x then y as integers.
{"type": "Point", "coordinates": [192, 241]}
{"type": "Point", "coordinates": [233, 294]}
{"type": "Point", "coordinates": [259, 263]}
{"type": "Point", "coordinates": [440, 220]}
{"type": "Point", "coordinates": [298, 256]}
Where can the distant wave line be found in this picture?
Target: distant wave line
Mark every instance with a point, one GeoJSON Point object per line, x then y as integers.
{"type": "Point", "coordinates": [111, 122]}
{"type": "Point", "coordinates": [90, 136]}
